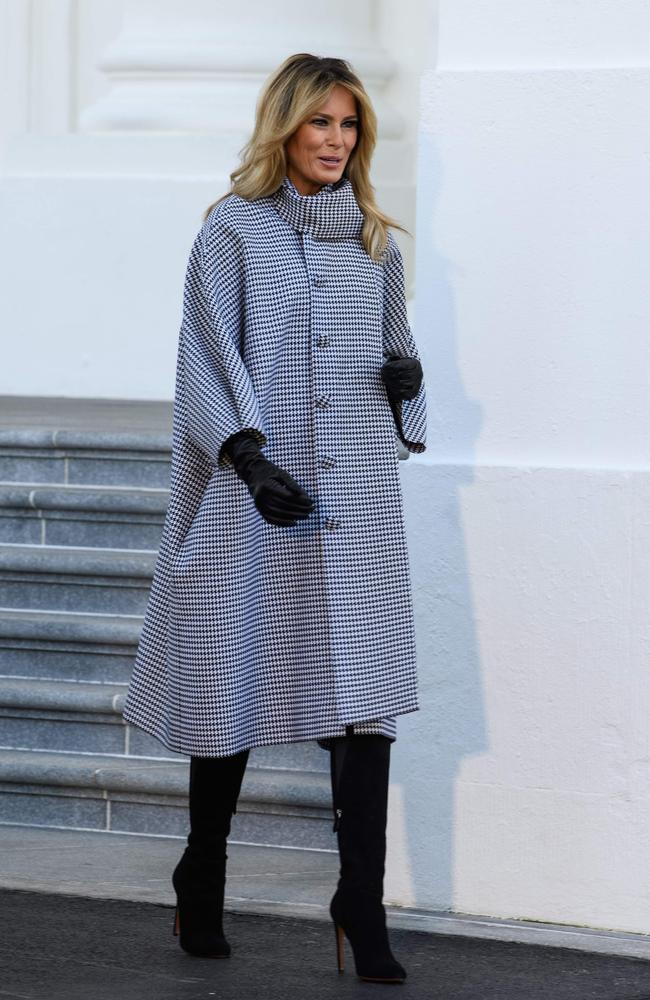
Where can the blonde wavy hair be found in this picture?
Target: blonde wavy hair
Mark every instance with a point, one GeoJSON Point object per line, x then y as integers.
{"type": "Point", "coordinates": [293, 92]}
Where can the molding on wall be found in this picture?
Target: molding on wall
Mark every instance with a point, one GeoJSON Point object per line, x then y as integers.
{"type": "Point", "coordinates": [52, 41]}
{"type": "Point", "coordinates": [591, 939]}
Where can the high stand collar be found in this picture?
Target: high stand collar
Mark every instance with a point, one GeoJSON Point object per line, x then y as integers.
{"type": "Point", "coordinates": [331, 213]}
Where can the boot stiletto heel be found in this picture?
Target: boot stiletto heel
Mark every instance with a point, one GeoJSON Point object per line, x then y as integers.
{"type": "Point", "coordinates": [362, 920]}
{"type": "Point", "coordinates": [338, 934]}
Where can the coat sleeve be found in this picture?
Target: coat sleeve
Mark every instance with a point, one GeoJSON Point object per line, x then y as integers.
{"type": "Point", "coordinates": [218, 392]}
{"type": "Point", "coordinates": [410, 414]}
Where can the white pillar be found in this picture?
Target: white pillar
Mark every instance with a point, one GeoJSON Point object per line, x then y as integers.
{"type": "Point", "coordinates": [531, 759]}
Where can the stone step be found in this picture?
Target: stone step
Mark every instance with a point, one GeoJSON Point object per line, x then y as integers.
{"type": "Point", "coordinates": [70, 715]}
{"type": "Point", "coordinates": [136, 795]}
{"type": "Point", "coordinates": [68, 645]}
{"type": "Point", "coordinates": [75, 716]}
{"type": "Point", "coordinates": [100, 516]}
{"type": "Point", "coordinates": [66, 577]}
{"type": "Point", "coordinates": [95, 456]}
{"type": "Point", "coordinates": [84, 486]}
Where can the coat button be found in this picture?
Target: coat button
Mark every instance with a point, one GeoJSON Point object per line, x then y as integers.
{"type": "Point", "coordinates": [332, 523]}
{"type": "Point", "coordinates": [327, 462]}
{"type": "Point", "coordinates": [322, 341]}
{"type": "Point", "coordinates": [322, 402]}
{"type": "Point", "coordinates": [318, 280]}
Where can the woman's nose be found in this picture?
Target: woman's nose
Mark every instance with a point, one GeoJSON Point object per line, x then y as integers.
{"type": "Point", "coordinates": [335, 136]}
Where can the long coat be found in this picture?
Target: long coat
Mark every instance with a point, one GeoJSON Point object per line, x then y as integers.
{"type": "Point", "coordinates": [257, 634]}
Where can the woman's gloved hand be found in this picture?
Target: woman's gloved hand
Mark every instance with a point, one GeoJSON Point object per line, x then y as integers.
{"type": "Point", "coordinates": [276, 494]}
{"type": "Point", "coordinates": [402, 378]}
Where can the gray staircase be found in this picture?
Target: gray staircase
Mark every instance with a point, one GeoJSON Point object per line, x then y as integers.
{"type": "Point", "coordinates": [83, 494]}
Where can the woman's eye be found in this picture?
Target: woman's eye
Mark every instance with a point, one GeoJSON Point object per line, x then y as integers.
{"type": "Point", "coordinates": [321, 121]}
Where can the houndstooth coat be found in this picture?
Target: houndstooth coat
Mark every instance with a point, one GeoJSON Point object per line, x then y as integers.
{"type": "Point", "coordinates": [256, 634]}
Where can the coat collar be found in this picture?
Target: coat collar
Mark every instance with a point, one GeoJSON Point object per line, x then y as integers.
{"type": "Point", "coordinates": [331, 213]}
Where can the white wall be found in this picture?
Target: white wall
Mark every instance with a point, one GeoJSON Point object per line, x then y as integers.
{"type": "Point", "coordinates": [525, 779]}
{"type": "Point", "coordinates": [123, 121]}
{"type": "Point", "coordinates": [522, 787]}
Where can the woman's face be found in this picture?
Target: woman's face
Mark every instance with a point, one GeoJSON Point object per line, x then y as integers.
{"type": "Point", "coordinates": [330, 132]}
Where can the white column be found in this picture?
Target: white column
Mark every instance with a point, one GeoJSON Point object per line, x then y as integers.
{"type": "Point", "coordinates": [530, 760]}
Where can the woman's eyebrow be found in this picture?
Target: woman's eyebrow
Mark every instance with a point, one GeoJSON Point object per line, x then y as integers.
{"type": "Point", "coordinates": [321, 114]}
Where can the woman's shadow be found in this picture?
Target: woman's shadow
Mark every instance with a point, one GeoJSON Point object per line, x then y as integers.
{"type": "Point", "coordinates": [450, 724]}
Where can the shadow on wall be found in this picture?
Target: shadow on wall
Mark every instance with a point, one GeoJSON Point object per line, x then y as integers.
{"type": "Point", "coordinates": [450, 725]}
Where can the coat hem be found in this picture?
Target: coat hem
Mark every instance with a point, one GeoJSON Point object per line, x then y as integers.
{"type": "Point", "coordinates": [318, 736]}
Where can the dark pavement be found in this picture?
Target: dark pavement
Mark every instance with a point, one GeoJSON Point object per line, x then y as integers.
{"type": "Point", "coordinates": [67, 947]}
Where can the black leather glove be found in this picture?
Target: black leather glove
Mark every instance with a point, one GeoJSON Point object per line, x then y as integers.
{"type": "Point", "coordinates": [402, 378]}
{"type": "Point", "coordinates": [276, 494]}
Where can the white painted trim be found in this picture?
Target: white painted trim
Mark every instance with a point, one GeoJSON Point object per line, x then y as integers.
{"type": "Point", "coordinates": [606, 942]}
{"type": "Point", "coordinates": [53, 32]}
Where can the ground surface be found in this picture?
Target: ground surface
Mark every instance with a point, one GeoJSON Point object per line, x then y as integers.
{"type": "Point", "coordinates": [68, 947]}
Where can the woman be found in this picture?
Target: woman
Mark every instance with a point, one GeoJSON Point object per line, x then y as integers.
{"type": "Point", "coordinates": [280, 608]}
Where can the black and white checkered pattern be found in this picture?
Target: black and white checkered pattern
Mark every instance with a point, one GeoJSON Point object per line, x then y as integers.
{"type": "Point", "coordinates": [257, 634]}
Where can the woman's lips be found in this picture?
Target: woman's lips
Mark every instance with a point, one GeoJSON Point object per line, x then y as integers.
{"type": "Point", "coordinates": [330, 163]}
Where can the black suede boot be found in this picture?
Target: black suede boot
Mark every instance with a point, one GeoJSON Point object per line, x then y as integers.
{"type": "Point", "coordinates": [359, 771]}
{"type": "Point", "coordinates": [199, 878]}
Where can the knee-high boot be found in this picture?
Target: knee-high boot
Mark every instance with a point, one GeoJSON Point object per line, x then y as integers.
{"type": "Point", "coordinates": [359, 771]}
{"type": "Point", "coordinates": [199, 878]}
